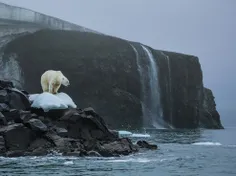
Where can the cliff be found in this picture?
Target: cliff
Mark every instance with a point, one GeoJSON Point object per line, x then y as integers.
{"type": "Point", "coordinates": [131, 85]}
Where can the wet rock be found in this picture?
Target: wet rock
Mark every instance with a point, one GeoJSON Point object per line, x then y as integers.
{"type": "Point", "coordinates": [37, 125]}
{"type": "Point", "coordinates": [2, 145]}
{"type": "Point", "coordinates": [62, 144]}
{"type": "Point", "coordinates": [16, 153]}
{"type": "Point", "coordinates": [62, 132]}
{"type": "Point", "coordinates": [3, 120]}
{"type": "Point", "coordinates": [5, 84]}
{"type": "Point", "coordinates": [85, 126]}
{"type": "Point", "coordinates": [39, 147]}
{"type": "Point", "coordinates": [12, 115]}
{"type": "Point", "coordinates": [4, 96]}
{"type": "Point", "coordinates": [17, 136]}
{"type": "Point", "coordinates": [210, 117]}
{"type": "Point", "coordinates": [18, 100]}
{"type": "Point", "coordinates": [4, 107]}
{"type": "Point", "coordinates": [77, 154]}
{"type": "Point", "coordinates": [145, 144]}
{"type": "Point", "coordinates": [93, 154]}
{"type": "Point", "coordinates": [119, 147]}
{"type": "Point", "coordinates": [25, 116]}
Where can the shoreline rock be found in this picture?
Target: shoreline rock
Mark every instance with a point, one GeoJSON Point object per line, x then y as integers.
{"type": "Point", "coordinates": [26, 131]}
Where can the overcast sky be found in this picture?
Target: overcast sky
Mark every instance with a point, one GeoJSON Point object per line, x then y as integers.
{"type": "Point", "coordinates": [205, 28]}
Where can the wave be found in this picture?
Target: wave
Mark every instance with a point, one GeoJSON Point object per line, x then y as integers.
{"type": "Point", "coordinates": [140, 135]}
{"type": "Point", "coordinates": [207, 143]}
{"type": "Point", "coordinates": [135, 135]}
{"type": "Point", "coordinates": [68, 163]}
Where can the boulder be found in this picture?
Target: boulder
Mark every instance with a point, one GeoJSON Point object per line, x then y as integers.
{"type": "Point", "coordinates": [119, 147]}
{"type": "Point", "coordinates": [3, 120]}
{"type": "Point", "coordinates": [37, 125]}
{"type": "Point", "coordinates": [2, 145]}
{"type": "Point", "coordinates": [17, 136]}
{"type": "Point", "coordinates": [145, 144]}
{"type": "Point", "coordinates": [4, 107]}
{"type": "Point", "coordinates": [4, 96]}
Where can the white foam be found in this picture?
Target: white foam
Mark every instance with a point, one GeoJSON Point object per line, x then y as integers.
{"type": "Point", "coordinates": [68, 163]}
{"type": "Point", "coordinates": [133, 160]}
{"type": "Point", "coordinates": [207, 143]}
{"type": "Point", "coordinates": [140, 135]}
{"type": "Point", "coordinates": [48, 101]}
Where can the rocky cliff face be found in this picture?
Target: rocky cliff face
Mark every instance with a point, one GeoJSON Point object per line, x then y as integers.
{"type": "Point", "coordinates": [210, 117]}
{"type": "Point", "coordinates": [131, 85]}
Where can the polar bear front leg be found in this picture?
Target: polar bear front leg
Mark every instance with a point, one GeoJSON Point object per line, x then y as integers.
{"type": "Point", "coordinates": [50, 87]}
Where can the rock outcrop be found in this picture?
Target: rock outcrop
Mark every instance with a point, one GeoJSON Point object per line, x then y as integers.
{"type": "Point", "coordinates": [73, 132]}
{"type": "Point", "coordinates": [210, 117]}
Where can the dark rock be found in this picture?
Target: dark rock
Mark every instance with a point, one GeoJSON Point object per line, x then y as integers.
{"type": "Point", "coordinates": [77, 154]}
{"type": "Point", "coordinates": [210, 117]}
{"type": "Point", "coordinates": [93, 154]}
{"type": "Point", "coordinates": [4, 96]}
{"type": "Point", "coordinates": [16, 153]}
{"type": "Point", "coordinates": [77, 132]}
{"type": "Point", "coordinates": [89, 110]}
{"type": "Point", "coordinates": [119, 147]}
{"type": "Point", "coordinates": [13, 115]}
{"type": "Point", "coordinates": [5, 84]}
{"type": "Point", "coordinates": [3, 120]}
{"type": "Point", "coordinates": [61, 131]}
{"type": "Point", "coordinates": [62, 144]}
{"type": "Point", "coordinates": [25, 116]}
{"type": "Point", "coordinates": [18, 100]}
{"type": "Point", "coordinates": [17, 136]}
{"type": "Point", "coordinates": [4, 107]}
{"type": "Point", "coordinates": [37, 125]}
{"type": "Point", "coordinates": [86, 126]}
{"type": "Point", "coordinates": [39, 147]}
{"type": "Point", "coordinates": [115, 133]}
{"type": "Point", "coordinates": [2, 145]}
{"type": "Point", "coordinates": [145, 144]}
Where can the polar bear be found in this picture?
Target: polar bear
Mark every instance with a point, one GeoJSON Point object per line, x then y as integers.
{"type": "Point", "coordinates": [51, 81]}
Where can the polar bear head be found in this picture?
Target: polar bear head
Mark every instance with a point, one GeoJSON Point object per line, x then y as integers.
{"type": "Point", "coordinates": [64, 80]}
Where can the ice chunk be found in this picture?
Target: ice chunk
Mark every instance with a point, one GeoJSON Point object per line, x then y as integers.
{"type": "Point", "coordinates": [66, 99]}
{"type": "Point", "coordinates": [124, 133]}
{"type": "Point", "coordinates": [32, 97]}
{"type": "Point", "coordinates": [47, 101]}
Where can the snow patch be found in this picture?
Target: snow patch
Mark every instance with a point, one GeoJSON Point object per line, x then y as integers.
{"type": "Point", "coordinates": [48, 101]}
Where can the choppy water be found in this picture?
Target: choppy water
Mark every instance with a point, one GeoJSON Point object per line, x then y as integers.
{"type": "Point", "coordinates": [199, 152]}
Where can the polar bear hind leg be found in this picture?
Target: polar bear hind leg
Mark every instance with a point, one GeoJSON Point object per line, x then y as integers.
{"type": "Point", "coordinates": [45, 85]}
{"type": "Point", "coordinates": [55, 87]}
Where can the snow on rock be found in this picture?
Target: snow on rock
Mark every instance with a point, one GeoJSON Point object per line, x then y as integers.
{"type": "Point", "coordinates": [66, 99]}
{"type": "Point", "coordinates": [48, 101]}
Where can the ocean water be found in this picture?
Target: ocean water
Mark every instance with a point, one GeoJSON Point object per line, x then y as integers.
{"type": "Point", "coordinates": [181, 153]}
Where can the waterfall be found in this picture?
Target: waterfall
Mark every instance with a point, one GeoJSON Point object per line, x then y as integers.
{"type": "Point", "coordinates": [156, 113]}
{"type": "Point", "coordinates": [150, 95]}
{"type": "Point", "coordinates": [169, 85]}
{"type": "Point", "coordinates": [145, 110]}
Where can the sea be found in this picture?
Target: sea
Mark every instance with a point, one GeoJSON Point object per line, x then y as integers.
{"type": "Point", "coordinates": [180, 153]}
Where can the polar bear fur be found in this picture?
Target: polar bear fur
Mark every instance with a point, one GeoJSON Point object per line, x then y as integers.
{"type": "Point", "coordinates": [52, 80]}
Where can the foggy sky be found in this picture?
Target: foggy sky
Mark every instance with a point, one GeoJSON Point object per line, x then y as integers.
{"type": "Point", "coordinates": [205, 28]}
